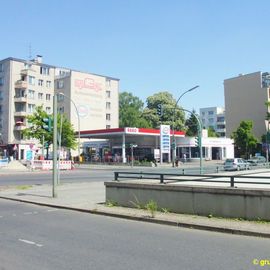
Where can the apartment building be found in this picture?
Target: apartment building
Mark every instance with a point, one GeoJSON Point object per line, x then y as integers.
{"type": "Point", "coordinates": [245, 98]}
{"type": "Point", "coordinates": [214, 117]}
{"type": "Point", "coordinates": [90, 101]}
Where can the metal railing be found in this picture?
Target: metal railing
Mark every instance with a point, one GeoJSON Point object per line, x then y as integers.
{"type": "Point", "coordinates": [172, 177]}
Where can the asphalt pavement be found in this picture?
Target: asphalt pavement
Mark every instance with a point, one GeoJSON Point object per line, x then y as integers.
{"type": "Point", "coordinates": [90, 197]}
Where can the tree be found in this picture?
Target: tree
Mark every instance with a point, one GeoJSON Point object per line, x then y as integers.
{"type": "Point", "coordinates": [244, 140]}
{"type": "Point", "coordinates": [212, 133]}
{"type": "Point", "coordinates": [150, 113]}
{"type": "Point", "coordinates": [130, 111]}
{"type": "Point", "coordinates": [192, 125]}
{"type": "Point", "coordinates": [36, 130]}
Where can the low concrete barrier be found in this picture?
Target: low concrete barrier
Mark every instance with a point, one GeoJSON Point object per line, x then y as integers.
{"type": "Point", "coordinates": [244, 203]}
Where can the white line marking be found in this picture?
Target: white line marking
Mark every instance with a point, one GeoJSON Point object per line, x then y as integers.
{"type": "Point", "coordinates": [27, 213]}
{"type": "Point", "coordinates": [30, 242]}
{"type": "Point", "coordinates": [52, 210]}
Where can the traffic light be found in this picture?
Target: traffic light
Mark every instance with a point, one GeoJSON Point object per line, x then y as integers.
{"type": "Point", "coordinates": [47, 124]}
{"type": "Point", "coordinates": [198, 141]}
{"type": "Point", "coordinates": [160, 109]}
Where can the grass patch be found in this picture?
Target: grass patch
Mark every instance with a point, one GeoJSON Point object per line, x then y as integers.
{"type": "Point", "coordinates": [23, 187]}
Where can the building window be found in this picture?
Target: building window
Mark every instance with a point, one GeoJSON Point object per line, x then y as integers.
{"type": "Point", "coordinates": [40, 96]}
{"type": "Point", "coordinates": [108, 94]}
{"type": "Point", "coordinates": [1, 81]}
{"type": "Point", "coordinates": [211, 120]}
{"type": "Point", "coordinates": [1, 95]}
{"type": "Point", "coordinates": [1, 67]}
{"type": "Point", "coordinates": [44, 70]}
{"type": "Point", "coordinates": [31, 94]}
{"type": "Point", "coordinates": [203, 113]}
{"type": "Point", "coordinates": [48, 83]}
{"type": "Point", "coordinates": [31, 108]}
{"type": "Point", "coordinates": [220, 119]}
{"type": "Point", "coordinates": [40, 82]}
{"type": "Point", "coordinates": [108, 105]}
{"type": "Point", "coordinates": [108, 126]}
{"type": "Point", "coordinates": [48, 110]}
{"type": "Point", "coordinates": [1, 109]}
{"type": "Point", "coordinates": [48, 97]}
{"type": "Point", "coordinates": [108, 116]}
{"type": "Point", "coordinates": [31, 80]}
{"type": "Point", "coordinates": [60, 84]}
{"type": "Point", "coordinates": [60, 98]}
{"type": "Point", "coordinates": [108, 82]}
{"type": "Point", "coordinates": [210, 112]}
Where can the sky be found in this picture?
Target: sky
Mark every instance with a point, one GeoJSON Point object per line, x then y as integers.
{"type": "Point", "coordinates": [150, 45]}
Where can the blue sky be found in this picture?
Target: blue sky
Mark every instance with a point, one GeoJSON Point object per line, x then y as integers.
{"type": "Point", "coordinates": [150, 45]}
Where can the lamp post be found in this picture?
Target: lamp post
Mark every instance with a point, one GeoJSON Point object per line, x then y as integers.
{"type": "Point", "coordinates": [79, 131]}
{"type": "Point", "coordinates": [267, 140]}
{"type": "Point", "coordinates": [173, 137]}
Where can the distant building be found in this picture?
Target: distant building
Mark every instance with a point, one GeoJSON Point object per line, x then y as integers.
{"type": "Point", "coordinates": [25, 84]}
{"type": "Point", "coordinates": [245, 98]}
{"type": "Point", "coordinates": [214, 117]}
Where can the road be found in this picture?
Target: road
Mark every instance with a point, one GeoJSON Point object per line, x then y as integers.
{"type": "Point", "coordinates": [34, 237]}
{"type": "Point", "coordinates": [89, 174]}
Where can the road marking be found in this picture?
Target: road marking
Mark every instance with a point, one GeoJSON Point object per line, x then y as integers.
{"type": "Point", "coordinates": [27, 213]}
{"type": "Point", "coordinates": [52, 210]}
{"type": "Point", "coordinates": [30, 242]}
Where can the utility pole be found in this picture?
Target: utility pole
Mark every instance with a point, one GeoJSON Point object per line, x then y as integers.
{"type": "Point", "coordinates": [54, 182]}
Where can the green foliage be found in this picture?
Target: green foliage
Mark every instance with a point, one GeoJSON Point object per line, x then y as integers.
{"type": "Point", "coordinates": [137, 203]}
{"type": "Point", "coordinates": [212, 132]}
{"type": "Point", "coordinates": [192, 125]}
{"type": "Point", "coordinates": [150, 113]}
{"type": "Point", "coordinates": [130, 111]}
{"type": "Point", "coordinates": [36, 131]}
{"type": "Point", "coordinates": [244, 140]}
{"type": "Point", "coordinates": [151, 206]}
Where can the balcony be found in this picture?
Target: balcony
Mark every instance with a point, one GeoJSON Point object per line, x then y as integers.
{"type": "Point", "coordinates": [21, 84]}
{"type": "Point", "coordinates": [19, 128]}
{"type": "Point", "coordinates": [20, 99]}
{"type": "Point", "coordinates": [20, 113]}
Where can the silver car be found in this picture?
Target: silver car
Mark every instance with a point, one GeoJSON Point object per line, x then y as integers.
{"type": "Point", "coordinates": [235, 164]}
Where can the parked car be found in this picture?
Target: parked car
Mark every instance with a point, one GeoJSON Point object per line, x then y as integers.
{"type": "Point", "coordinates": [236, 164]}
{"type": "Point", "coordinates": [260, 160]}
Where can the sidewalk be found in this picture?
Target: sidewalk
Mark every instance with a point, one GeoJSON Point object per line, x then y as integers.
{"type": "Point", "coordinates": [90, 197]}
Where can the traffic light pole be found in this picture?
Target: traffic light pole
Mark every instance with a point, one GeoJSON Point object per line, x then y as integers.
{"type": "Point", "coordinates": [55, 174]}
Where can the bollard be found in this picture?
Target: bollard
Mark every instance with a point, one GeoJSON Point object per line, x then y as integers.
{"type": "Point", "coordinates": [217, 169]}
{"type": "Point", "coordinates": [116, 176]}
{"type": "Point", "coordinates": [161, 178]}
{"type": "Point", "coordinates": [183, 171]}
{"type": "Point", "coordinates": [232, 181]}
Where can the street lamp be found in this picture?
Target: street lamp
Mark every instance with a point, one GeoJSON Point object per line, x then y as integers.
{"type": "Point", "coordinates": [79, 131]}
{"type": "Point", "coordinates": [173, 137]}
{"type": "Point", "coordinates": [267, 140]}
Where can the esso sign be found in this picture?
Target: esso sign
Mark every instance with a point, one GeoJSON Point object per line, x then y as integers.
{"type": "Point", "coordinates": [132, 130]}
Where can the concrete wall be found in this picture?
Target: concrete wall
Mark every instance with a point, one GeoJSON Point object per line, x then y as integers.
{"type": "Point", "coordinates": [222, 202]}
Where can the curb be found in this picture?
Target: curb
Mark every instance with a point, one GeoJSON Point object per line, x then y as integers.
{"type": "Point", "coordinates": [150, 220]}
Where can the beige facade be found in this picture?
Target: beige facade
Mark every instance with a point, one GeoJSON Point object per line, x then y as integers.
{"type": "Point", "coordinates": [27, 84]}
{"type": "Point", "coordinates": [95, 97]}
{"type": "Point", "coordinates": [245, 98]}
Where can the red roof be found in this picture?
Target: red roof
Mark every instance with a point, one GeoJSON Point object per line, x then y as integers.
{"type": "Point", "coordinates": [128, 130]}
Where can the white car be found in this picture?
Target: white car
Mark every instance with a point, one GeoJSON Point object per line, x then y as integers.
{"type": "Point", "coordinates": [235, 164]}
